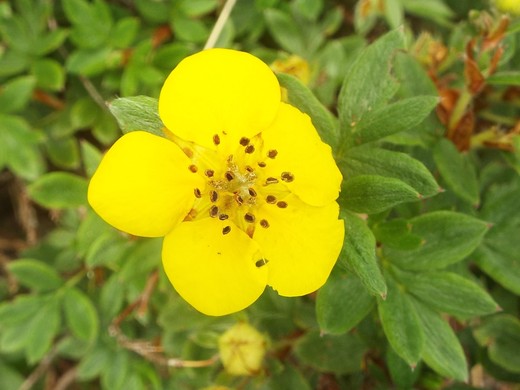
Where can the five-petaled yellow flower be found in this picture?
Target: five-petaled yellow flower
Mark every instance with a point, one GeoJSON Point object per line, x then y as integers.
{"type": "Point", "coordinates": [242, 189]}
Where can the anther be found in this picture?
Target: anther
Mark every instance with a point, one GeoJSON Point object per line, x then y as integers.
{"type": "Point", "coordinates": [282, 204]}
{"type": "Point", "coordinates": [249, 217]}
{"type": "Point", "coordinates": [193, 168]}
{"type": "Point", "coordinates": [229, 175]}
{"type": "Point", "coordinates": [244, 141]}
{"type": "Point", "coordinates": [213, 196]}
{"type": "Point", "coordinates": [213, 211]}
{"type": "Point", "coordinates": [271, 199]}
{"type": "Point", "coordinates": [261, 262]}
{"type": "Point", "coordinates": [238, 199]}
{"type": "Point", "coordinates": [250, 149]}
{"type": "Point", "coordinates": [197, 193]}
{"type": "Point", "coordinates": [223, 217]}
{"type": "Point", "coordinates": [249, 169]}
{"type": "Point", "coordinates": [226, 230]}
{"type": "Point", "coordinates": [209, 172]}
{"type": "Point", "coordinates": [272, 153]}
{"type": "Point", "coordinates": [262, 164]}
{"type": "Point", "coordinates": [287, 177]}
{"type": "Point", "coordinates": [188, 152]}
{"type": "Point", "coordinates": [271, 180]}
{"type": "Point", "coordinates": [252, 192]}
{"type": "Point", "coordinates": [264, 223]}
{"type": "Point", "coordinates": [216, 139]}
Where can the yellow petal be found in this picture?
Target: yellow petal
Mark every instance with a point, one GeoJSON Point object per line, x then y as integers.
{"type": "Point", "coordinates": [301, 152]}
{"type": "Point", "coordinates": [302, 243]}
{"type": "Point", "coordinates": [219, 91]}
{"type": "Point", "coordinates": [143, 185]}
{"type": "Point", "coordinates": [215, 273]}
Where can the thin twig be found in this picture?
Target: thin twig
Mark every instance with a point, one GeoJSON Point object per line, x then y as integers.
{"type": "Point", "coordinates": [39, 371]}
{"type": "Point", "coordinates": [66, 379]}
{"type": "Point", "coordinates": [93, 92]}
{"type": "Point", "coordinates": [219, 25]}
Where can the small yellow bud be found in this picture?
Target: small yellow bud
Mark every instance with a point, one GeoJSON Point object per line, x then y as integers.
{"type": "Point", "coordinates": [510, 6]}
{"type": "Point", "coordinates": [242, 349]}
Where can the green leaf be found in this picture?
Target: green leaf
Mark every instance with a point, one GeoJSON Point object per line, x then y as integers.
{"type": "Point", "coordinates": [285, 31]}
{"type": "Point", "coordinates": [189, 30]}
{"type": "Point", "coordinates": [137, 113]}
{"type": "Point", "coordinates": [64, 152]}
{"type": "Point", "coordinates": [15, 94]}
{"type": "Point", "coordinates": [195, 8]}
{"type": "Point", "coordinates": [21, 309]}
{"type": "Point", "coordinates": [42, 328]}
{"type": "Point", "coordinates": [113, 376]}
{"type": "Point", "coordinates": [372, 194]}
{"type": "Point", "coordinates": [448, 237]}
{"type": "Point", "coordinates": [457, 171]}
{"type": "Point", "coordinates": [124, 32]}
{"type": "Point", "coordinates": [359, 255]}
{"type": "Point", "coordinates": [92, 22]}
{"type": "Point", "coordinates": [142, 258]}
{"type": "Point", "coordinates": [504, 78]}
{"type": "Point", "coordinates": [35, 275]}
{"type": "Point", "coordinates": [80, 315]}
{"type": "Point", "coordinates": [369, 83]}
{"type": "Point", "coordinates": [327, 353]}
{"type": "Point", "coordinates": [396, 234]}
{"type": "Point", "coordinates": [91, 157]}
{"type": "Point", "coordinates": [10, 378]}
{"type": "Point", "coordinates": [383, 121]}
{"type": "Point", "coordinates": [403, 376]}
{"type": "Point", "coordinates": [342, 303]}
{"type": "Point", "coordinates": [94, 363]}
{"type": "Point", "coordinates": [401, 324]}
{"type": "Point", "coordinates": [289, 378]}
{"type": "Point", "coordinates": [59, 190]}
{"type": "Point", "coordinates": [449, 293]}
{"type": "Point", "coordinates": [501, 334]}
{"type": "Point", "coordinates": [376, 161]}
{"type": "Point", "coordinates": [92, 62]}
{"type": "Point", "coordinates": [502, 267]}
{"type": "Point", "coordinates": [302, 98]}
{"type": "Point", "coordinates": [49, 74]}
{"type": "Point", "coordinates": [442, 350]}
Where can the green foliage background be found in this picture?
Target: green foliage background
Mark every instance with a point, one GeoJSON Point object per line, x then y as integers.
{"type": "Point", "coordinates": [429, 275]}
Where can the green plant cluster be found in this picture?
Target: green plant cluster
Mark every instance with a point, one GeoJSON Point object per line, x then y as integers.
{"type": "Point", "coordinates": [420, 102]}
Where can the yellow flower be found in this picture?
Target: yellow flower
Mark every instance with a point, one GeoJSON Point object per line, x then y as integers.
{"type": "Point", "coordinates": [512, 6]}
{"type": "Point", "coordinates": [243, 189]}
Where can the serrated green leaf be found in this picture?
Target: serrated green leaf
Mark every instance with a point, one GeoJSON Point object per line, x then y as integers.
{"type": "Point", "coordinates": [457, 171]}
{"type": "Point", "coordinates": [80, 315]}
{"type": "Point", "coordinates": [285, 31]}
{"type": "Point", "coordinates": [137, 113]}
{"type": "Point", "coordinates": [372, 194]}
{"type": "Point", "coordinates": [442, 350]}
{"type": "Point", "coordinates": [401, 323]}
{"type": "Point", "coordinates": [502, 267]}
{"type": "Point", "coordinates": [342, 303]}
{"type": "Point", "coordinates": [302, 98]}
{"type": "Point", "coordinates": [369, 83]}
{"type": "Point", "coordinates": [377, 161]}
{"type": "Point", "coordinates": [327, 353]}
{"type": "Point", "coordinates": [15, 94]}
{"type": "Point", "coordinates": [59, 190]}
{"type": "Point", "coordinates": [449, 293]}
{"type": "Point", "coordinates": [501, 334]}
{"type": "Point", "coordinates": [35, 275]}
{"type": "Point", "coordinates": [359, 255]}
{"type": "Point", "coordinates": [448, 238]}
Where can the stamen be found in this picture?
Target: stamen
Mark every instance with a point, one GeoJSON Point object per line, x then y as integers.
{"type": "Point", "coordinates": [213, 211]}
{"type": "Point", "coordinates": [238, 199]}
{"type": "Point", "coordinates": [223, 217]}
{"type": "Point", "coordinates": [272, 153]}
{"type": "Point", "coordinates": [213, 196]}
{"type": "Point", "coordinates": [249, 217]}
{"type": "Point", "coordinates": [244, 141]}
{"type": "Point", "coordinates": [271, 180]}
{"type": "Point", "coordinates": [261, 262]}
{"type": "Point", "coordinates": [252, 192]}
{"type": "Point", "coordinates": [216, 139]}
{"type": "Point", "coordinates": [282, 204]}
{"type": "Point", "coordinates": [271, 199]}
{"type": "Point", "coordinates": [264, 223]}
{"type": "Point", "coordinates": [287, 177]}
{"type": "Point", "coordinates": [250, 149]}
{"type": "Point", "coordinates": [193, 168]}
{"type": "Point", "coordinates": [249, 169]}
{"type": "Point", "coordinates": [262, 164]}
{"type": "Point", "coordinates": [197, 193]}
{"type": "Point", "coordinates": [226, 230]}
{"type": "Point", "coordinates": [209, 172]}
{"type": "Point", "coordinates": [229, 175]}
{"type": "Point", "coordinates": [188, 152]}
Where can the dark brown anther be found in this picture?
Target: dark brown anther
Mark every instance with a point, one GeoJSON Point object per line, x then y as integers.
{"type": "Point", "coordinates": [213, 196]}
{"type": "Point", "coordinates": [261, 262]}
{"type": "Point", "coordinates": [216, 139]}
{"type": "Point", "coordinates": [213, 211]}
{"type": "Point", "coordinates": [244, 141]}
{"type": "Point", "coordinates": [250, 149]}
{"type": "Point", "coordinates": [262, 164]}
{"type": "Point", "coordinates": [229, 175]}
{"type": "Point", "coordinates": [271, 199]}
{"type": "Point", "coordinates": [209, 172]}
{"type": "Point", "coordinates": [271, 180]}
{"type": "Point", "coordinates": [282, 204]}
{"type": "Point", "coordinates": [272, 153]}
{"type": "Point", "coordinates": [264, 223]}
{"type": "Point", "coordinates": [287, 177]}
{"type": "Point", "coordinates": [223, 217]}
{"type": "Point", "coordinates": [197, 193]}
{"type": "Point", "coordinates": [249, 217]}
{"type": "Point", "coordinates": [193, 168]}
{"type": "Point", "coordinates": [226, 230]}
{"type": "Point", "coordinates": [249, 169]}
{"type": "Point", "coordinates": [238, 199]}
{"type": "Point", "coordinates": [252, 192]}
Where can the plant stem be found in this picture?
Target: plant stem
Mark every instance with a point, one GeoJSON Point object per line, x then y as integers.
{"type": "Point", "coordinates": [219, 25]}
